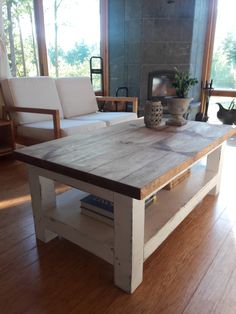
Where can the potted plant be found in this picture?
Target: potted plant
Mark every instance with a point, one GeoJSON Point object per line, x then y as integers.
{"type": "Point", "coordinates": [178, 105]}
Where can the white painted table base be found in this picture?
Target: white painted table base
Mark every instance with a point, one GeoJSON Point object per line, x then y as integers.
{"type": "Point", "coordinates": [130, 251]}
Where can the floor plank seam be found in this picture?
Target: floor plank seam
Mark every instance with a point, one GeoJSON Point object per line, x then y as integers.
{"type": "Point", "coordinates": [225, 219]}
{"type": "Point", "coordinates": [218, 301]}
{"type": "Point", "coordinates": [208, 268]}
{"type": "Point", "coordinates": [16, 244]}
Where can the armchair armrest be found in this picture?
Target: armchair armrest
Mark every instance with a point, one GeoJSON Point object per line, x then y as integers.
{"type": "Point", "coordinates": [133, 100]}
{"type": "Point", "coordinates": [54, 112]}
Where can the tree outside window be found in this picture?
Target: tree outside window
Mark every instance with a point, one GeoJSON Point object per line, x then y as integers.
{"type": "Point", "coordinates": [18, 16]}
{"type": "Point", "coordinates": [73, 36]}
{"type": "Point", "coordinates": [72, 30]}
{"type": "Point", "coordinates": [224, 56]}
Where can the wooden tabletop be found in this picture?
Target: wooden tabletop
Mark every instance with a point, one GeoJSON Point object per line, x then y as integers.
{"type": "Point", "coordinates": [128, 158]}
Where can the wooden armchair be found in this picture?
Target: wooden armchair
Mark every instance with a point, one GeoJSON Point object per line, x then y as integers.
{"type": "Point", "coordinates": [44, 108]}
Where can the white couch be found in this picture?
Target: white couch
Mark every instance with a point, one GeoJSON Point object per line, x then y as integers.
{"type": "Point", "coordinates": [44, 108]}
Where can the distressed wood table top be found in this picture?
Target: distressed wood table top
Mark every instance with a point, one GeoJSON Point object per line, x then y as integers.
{"type": "Point", "coordinates": [128, 158]}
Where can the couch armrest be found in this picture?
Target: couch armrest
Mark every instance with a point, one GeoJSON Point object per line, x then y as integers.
{"type": "Point", "coordinates": [113, 100]}
{"type": "Point", "coordinates": [54, 112]}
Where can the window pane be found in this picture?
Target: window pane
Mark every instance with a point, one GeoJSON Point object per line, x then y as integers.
{"type": "Point", "coordinates": [72, 35]}
{"type": "Point", "coordinates": [224, 55]}
{"type": "Point", "coordinates": [18, 17]}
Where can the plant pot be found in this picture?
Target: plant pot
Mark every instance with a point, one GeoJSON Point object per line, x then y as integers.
{"type": "Point", "coordinates": [177, 108]}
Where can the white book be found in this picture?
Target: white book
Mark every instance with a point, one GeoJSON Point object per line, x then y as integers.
{"type": "Point", "coordinates": [94, 215]}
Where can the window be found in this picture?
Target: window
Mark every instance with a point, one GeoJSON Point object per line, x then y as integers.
{"type": "Point", "coordinates": [72, 31]}
{"type": "Point", "coordinates": [18, 17]}
{"type": "Point", "coordinates": [223, 70]}
{"type": "Point", "coordinates": [220, 55]}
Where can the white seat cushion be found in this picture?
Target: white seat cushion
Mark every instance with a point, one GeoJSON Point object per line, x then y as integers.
{"type": "Point", "coordinates": [110, 118]}
{"type": "Point", "coordinates": [43, 131]}
{"type": "Point", "coordinates": [35, 92]}
{"type": "Point", "coordinates": [76, 95]}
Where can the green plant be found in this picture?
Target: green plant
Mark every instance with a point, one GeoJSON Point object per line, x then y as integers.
{"type": "Point", "coordinates": [183, 83]}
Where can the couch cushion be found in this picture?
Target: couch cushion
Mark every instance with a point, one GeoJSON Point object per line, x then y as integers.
{"type": "Point", "coordinates": [76, 95]}
{"type": "Point", "coordinates": [43, 131]}
{"type": "Point", "coordinates": [110, 118]}
{"type": "Point", "coordinates": [35, 92]}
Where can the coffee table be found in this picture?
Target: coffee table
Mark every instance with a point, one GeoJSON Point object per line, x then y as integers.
{"type": "Point", "coordinates": [125, 164]}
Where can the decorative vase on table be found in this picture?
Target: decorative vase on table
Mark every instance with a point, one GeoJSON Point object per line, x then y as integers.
{"type": "Point", "coordinates": [153, 114]}
{"type": "Point", "coordinates": [177, 107]}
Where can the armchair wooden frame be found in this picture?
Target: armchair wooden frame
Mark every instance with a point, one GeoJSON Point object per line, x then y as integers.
{"type": "Point", "coordinates": [113, 100]}
{"type": "Point", "coordinates": [54, 112]}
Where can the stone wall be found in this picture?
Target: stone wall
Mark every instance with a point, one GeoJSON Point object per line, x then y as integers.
{"type": "Point", "coordinates": [151, 35]}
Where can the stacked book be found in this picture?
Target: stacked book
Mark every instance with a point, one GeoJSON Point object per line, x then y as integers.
{"type": "Point", "coordinates": [103, 210]}
{"type": "Point", "coordinates": [98, 208]}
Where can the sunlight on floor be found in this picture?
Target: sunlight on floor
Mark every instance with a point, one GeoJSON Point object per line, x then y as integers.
{"type": "Point", "coordinates": [14, 201]}
{"type": "Point", "coordinates": [11, 202]}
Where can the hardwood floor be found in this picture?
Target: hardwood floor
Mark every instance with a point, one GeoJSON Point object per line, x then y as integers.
{"type": "Point", "coordinates": [194, 270]}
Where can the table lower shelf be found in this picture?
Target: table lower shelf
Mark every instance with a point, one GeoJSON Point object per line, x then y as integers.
{"type": "Point", "coordinates": [90, 234]}
{"type": "Point", "coordinates": [161, 218]}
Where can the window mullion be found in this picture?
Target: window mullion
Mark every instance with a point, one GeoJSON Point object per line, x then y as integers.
{"type": "Point", "coordinates": [104, 43]}
{"type": "Point", "coordinates": [41, 41]}
{"type": "Point", "coordinates": [209, 43]}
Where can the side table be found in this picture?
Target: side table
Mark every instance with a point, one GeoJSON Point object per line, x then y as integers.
{"type": "Point", "coordinates": [7, 140]}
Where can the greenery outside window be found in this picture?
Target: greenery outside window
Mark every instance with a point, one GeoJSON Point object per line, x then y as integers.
{"type": "Point", "coordinates": [220, 54]}
{"type": "Point", "coordinates": [223, 70]}
{"type": "Point", "coordinates": [72, 31]}
{"type": "Point", "coordinates": [19, 26]}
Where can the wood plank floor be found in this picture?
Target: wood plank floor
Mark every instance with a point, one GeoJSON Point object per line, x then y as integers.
{"type": "Point", "coordinates": [194, 270]}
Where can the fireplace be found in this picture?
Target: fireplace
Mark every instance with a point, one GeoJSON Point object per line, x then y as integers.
{"type": "Point", "coordinates": [160, 85]}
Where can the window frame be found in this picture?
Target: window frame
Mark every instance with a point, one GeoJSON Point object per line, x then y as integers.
{"type": "Point", "coordinates": [208, 54]}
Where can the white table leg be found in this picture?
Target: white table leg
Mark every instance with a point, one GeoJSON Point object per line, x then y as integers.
{"type": "Point", "coordinates": [214, 163]}
{"type": "Point", "coordinates": [129, 242]}
{"type": "Point", "coordinates": [43, 197]}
